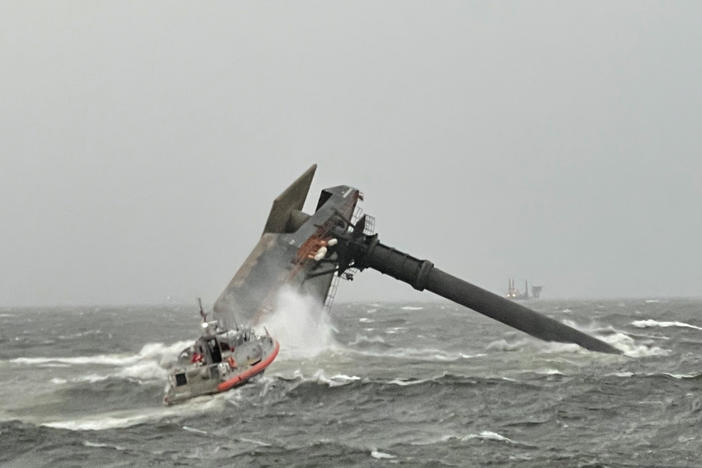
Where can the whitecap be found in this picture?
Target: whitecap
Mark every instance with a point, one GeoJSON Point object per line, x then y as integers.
{"type": "Point", "coordinates": [147, 370]}
{"type": "Point", "coordinates": [375, 453]}
{"type": "Point", "coordinates": [650, 323]}
{"type": "Point", "coordinates": [143, 366]}
{"type": "Point", "coordinates": [488, 435]}
{"type": "Point", "coordinates": [367, 339]}
{"type": "Point", "coordinates": [429, 354]}
{"type": "Point", "coordinates": [627, 345]}
{"type": "Point", "coordinates": [622, 374]}
{"type": "Point", "coordinates": [548, 347]}
{"type": "Point", "coordinates": [366, 320]}
{"type": "Point", "coordinates": [471, 356]}
{"type": "Point", "coordinates": [411, 308]}
{"type": "Point", "coordinates": [103, 359]}
{"type": "Point", "coordinates": [649, 337]}
{"type": "Point", "coordinates": [503, 345]}
{"type": "Point", "coordinates": [195, 430]}
{"type": "Point", "coordinates": [645, 351]}
{"type": "Point", "coordinates": [548, 371]}
{"type": "Point", "coordinates": [87, 443]}
{"type": "Point", "coordinates": [406, 383]}
{"type": "Point", "coordinates": [444, 357]}
{"type": "Point", "coordinates": [254, 441]}
{"type": "Point", "coordinates": [337, 380]}
{"type": "Point", "coordinates": [682, 376]}
{"type": "Point", "coordinates": [58, 381]}
{"type": "Point", "coordinates": [97, 424]}
{"type": "Point", "coordinates": [148, 351]}
{"type": "Point", "coordinates": [91, 378]}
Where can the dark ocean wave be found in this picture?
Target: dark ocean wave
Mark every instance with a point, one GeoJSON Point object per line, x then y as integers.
{"type": "Point", "coordinates": [109, 393]}
{"type": "Point", "coordinates": [429, 387]}
{"type": "Point", "coordinates": [345, 383]}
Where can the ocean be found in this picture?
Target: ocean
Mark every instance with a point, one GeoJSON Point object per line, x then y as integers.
{"type": "Point", "coordinates": [368, 384]}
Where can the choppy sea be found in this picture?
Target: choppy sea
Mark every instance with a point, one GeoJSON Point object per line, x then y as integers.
{"type": "Point", "coordinates": [369, 384]}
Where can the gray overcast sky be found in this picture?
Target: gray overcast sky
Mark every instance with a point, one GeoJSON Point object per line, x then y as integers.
{"type": "Point", "coordinates": [141, 143]}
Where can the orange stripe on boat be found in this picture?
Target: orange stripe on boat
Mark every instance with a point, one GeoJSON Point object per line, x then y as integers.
{"type": "Point", "coordinates": [255, 369]}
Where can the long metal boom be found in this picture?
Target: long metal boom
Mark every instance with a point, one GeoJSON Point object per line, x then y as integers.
{"type": "Point", "coordinates": [368, 252]}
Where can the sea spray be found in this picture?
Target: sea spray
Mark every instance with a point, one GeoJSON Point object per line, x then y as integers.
{"type": "Point", "coordinates": [301, 325]}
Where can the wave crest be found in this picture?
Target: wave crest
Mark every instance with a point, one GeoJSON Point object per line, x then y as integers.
{"type": "Point", "coordinates": [650, 323]}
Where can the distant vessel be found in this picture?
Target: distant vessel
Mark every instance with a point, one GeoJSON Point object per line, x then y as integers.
{"type": "Point", "coordinates": [517, 295]}
{"type": "Point", "coordinates": [536, 291]}
{"type": "Point", "coordinates": [219, 360]}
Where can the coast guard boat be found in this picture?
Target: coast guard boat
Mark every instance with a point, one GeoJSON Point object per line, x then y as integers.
{"type": "Point", "coordinates": [218, 361]}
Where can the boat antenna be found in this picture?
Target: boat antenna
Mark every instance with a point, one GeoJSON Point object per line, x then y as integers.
{"type": "Point", "coordinates": [202, 312]}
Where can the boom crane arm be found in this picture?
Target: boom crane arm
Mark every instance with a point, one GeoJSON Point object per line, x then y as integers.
{"type": "Point", "coordinates": [366, 251]}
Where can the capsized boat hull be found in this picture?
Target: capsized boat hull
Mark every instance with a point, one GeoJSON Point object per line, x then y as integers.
{"type": "Point", "coordinates": [219, 362]}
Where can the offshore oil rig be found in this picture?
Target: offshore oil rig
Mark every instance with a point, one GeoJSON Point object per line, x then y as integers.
{"type": "Point", "coordinates": [517, 295]}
